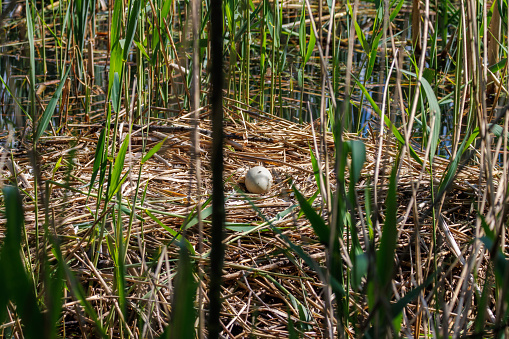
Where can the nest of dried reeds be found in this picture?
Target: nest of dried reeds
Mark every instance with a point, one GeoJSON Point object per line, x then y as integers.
{"type": "Point", "coordinates": [265, 282]}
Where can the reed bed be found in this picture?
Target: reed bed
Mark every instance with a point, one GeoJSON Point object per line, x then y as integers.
{"type": "Point", "coordinates": [126, 122]}
{"type": "Point", "coordinates": [266, 287]}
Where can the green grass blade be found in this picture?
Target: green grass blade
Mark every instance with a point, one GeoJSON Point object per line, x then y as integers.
{"type": "Point", "coordinates": [388, 122]}
{"type": "Point", "coordinates": [116, 90]}
{"type": "Point", "coordinates": [318, 224]}
{"type": "Point", "coordinates": [302, 33]}
{"type": "Point", "coordinates": [471, 139]}
{"type": "Point", "coordinates": [152, 151]}
{"type": "Point", "coordinates": [80, 16]}
{"type": "Point", "coordinates": [205, 213]}
{"type": "Point", "coordinates": [396, 10]}
{"type": "Point", "coordinates": [55, 285]}
{"type": "Point", "coordinates": [142, 49]}
{"type": "Point", "coordinates": [358, 152]}
{"type": "Point", "coordinates": [98, 159]}
{"type": "Point", "coordinates": [118, 166]}
{"type": "Point", "coordinates": [497, 130]}
{"type": "Point", "coordinates": [304, 313]}
{"type": "Point", "coordinates": [434, 108]}
{"type": "Point", "coordinates": [385, 253]}
{"type": "Point", "coordinates": [50, 109]}
{"type": "Point", "coordinates": [116, 49]}
{"type": "Point", "coordinates": [372, 56]}
{"type": "Point", "coordinates": [398, 307]}
{"type": "Point", "coordinates": [316, 169]}
{"type": "Point", "coordinates": [310, 47]}
{"type": "Point", "coordinates": [174, 233]}
{"type": "Point", "coordinates": [183, 310]}
{"type": "Point", "coordinates": [14, 280]}
{"type": "Point", "coordinates": [448, 178]}
{"type": "Point", "coordinates": [498, 66]}
{"type": "Point", "coordinates": [292, 333]}
{"type": "Point", "coordinates": [131, 26]}
{"type": "Point", "coordinates": [31, 44]}
{"type": "Point", "coordinates": [362, 37]}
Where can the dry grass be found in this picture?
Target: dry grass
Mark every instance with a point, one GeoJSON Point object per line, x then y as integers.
{"type": "Point", "coordinates": [264, 281]}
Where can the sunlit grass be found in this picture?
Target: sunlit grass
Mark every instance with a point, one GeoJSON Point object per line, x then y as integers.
{"type": "Point", "coordinates": [354, 70]}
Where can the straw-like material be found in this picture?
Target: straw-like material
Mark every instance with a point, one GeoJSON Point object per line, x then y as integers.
{"type": "Point", "coordinates": [264, 281]}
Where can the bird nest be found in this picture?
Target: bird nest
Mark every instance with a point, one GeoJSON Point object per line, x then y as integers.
{"type": "Point", "coordinates": [266, 284]}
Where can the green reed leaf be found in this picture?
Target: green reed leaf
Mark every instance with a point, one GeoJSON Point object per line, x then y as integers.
{"type": "Point", "coordinates": [99, 161]}
{"type": "Point", "coordinates": [358, 152]}
{"type": "Point", "coordinates": [435, 115]}
{"type": "Point", "coordinates": [174, 233]}
{"type": "Point", "coordinates": [50, 109]}
{"type": "Point", "coordinates": [388, 122]}
{"type": "Point", "coordinates": [372, 55]}
{"type": "Point", "coordinates": [153, 151]}
{"type": "Point", "coordinates": [115, 93]}
{"type": "Point", "coordinates": [31, 44]}
{"type": "Point", "coordinates": [318, 224]}
{"type": "Point", "coordinates": [116, 49]}
{"type": "Point", "coordinates": [131, 26]}
{"type": "Point", "coordinates": [385, 253]}
{"type": "Point", "coordinates": [118, 166]}
{"type": "Point", "coordinates": [183, 313]}
{"type": "Point", "coordinates": [450, 173]}
{"type": "Point", "coordinates": [310, 47]}
{"type": "Point", "coordinates": [396, 10]}
{"type": "Point", "coordinates": [302, 33]}
{"type": "Point", "coordinates": [14, 281]}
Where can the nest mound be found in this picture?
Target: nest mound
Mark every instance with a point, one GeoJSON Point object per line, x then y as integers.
{"type": "Point", "coordinates": [265, 281]}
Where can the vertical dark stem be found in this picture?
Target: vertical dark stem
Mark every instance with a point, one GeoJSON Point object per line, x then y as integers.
{"type": "Point", "coordinates": [218, 213]}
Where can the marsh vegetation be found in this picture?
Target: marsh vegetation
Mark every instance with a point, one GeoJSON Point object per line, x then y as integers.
{"type": "Point", "coordinates": [128, 128]}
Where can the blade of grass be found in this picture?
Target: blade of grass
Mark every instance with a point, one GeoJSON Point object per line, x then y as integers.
{"type": "Point", "coordinates": [118, 166]}
{"type": "Point", "coordinates": [183, 309]}
{"type": "Point", "coordinates": [131, 26]}
{"type": "Point", "coordinates": [388, 122]}
{"type": "Point", "coordinates": [15, 283]}
{"type": "Point", "coordinates": [175, 234]}
{"type": "Point", "coordinates": [50, 109]}
{"type": "Point", "coordinates": [385, 253]}
{"type": "Point", "coordinates": [100, 153]}
{"type": "Point", "coordinates": [153, 151]}
{"type": "Point", "coordinates": [318, 224]}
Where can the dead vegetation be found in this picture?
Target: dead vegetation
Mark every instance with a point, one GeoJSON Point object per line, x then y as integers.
{"type": "Point", "coordinates": [264, 280]}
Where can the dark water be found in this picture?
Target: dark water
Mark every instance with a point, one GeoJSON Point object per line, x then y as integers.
{"type": "Point", "coordinates": [87, 95]}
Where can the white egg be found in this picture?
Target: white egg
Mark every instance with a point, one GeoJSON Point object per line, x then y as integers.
{"type": "Point", "coordinates": [258, 180]}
